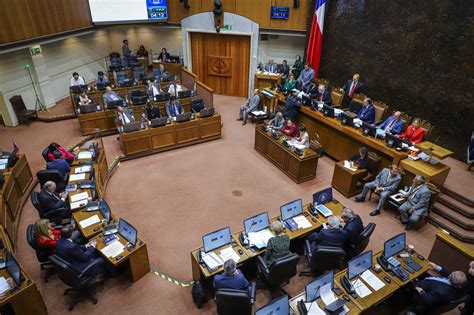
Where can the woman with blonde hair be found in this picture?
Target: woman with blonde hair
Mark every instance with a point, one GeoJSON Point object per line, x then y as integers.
{"type": "Point", "coordinates": [45, 235]}
{"type": "Point", "coordinates": [277, 246]}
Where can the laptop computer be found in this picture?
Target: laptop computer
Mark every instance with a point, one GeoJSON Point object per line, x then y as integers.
{"type": "Point", "coordinates": [158, 122]}
{"type": "Point", "coordinates": [206, 112]}
{"type": "Point", "coordinates": [183, 117]}
{"type": "Point", "coordinates": [185, 94]}
{"type": "Point", "coordinates": [135, 126]}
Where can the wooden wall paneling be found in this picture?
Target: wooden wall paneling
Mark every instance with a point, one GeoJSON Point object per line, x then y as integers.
{"type": "Point", "coordinates": [17, 22]}
{"type": "Point", "coordinates": [76, 14]}
{"type": "Point", "coordinates": [227, 5]}
{"type": "Point", "coordinates": [298, 17]}
{"type": "Point", "coordinates": [47, 16]}
{"type": "Point", "coordinates": [177, 12]}
{"type": "Point", "coordinates": [258, 11]}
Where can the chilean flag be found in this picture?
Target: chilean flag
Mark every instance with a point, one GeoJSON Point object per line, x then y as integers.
{"type": "Point", "coordinates": [315, 42]}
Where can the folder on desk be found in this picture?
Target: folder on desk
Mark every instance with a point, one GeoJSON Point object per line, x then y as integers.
{"type": "Point", "coordinates": [113, 249]}
{"type": "Point", "coordinates": [84, 155]}
{"type": "Point", "coordinates": [260, 239]}
{"type": "Point", "coordinates": [78, 204]}
{"type": "Point", "coordinates": [372, 280]}
{"type": "Point", "coordinates": [82, 169]}
{"type": "Point", "coordinates": [80, 196]}
{"type": "Point", "coordinates": [88, 222]}
{"type": "Point", "coordinates": [212, 261]}
{"type": "Point", "coordinates": [76, 177]}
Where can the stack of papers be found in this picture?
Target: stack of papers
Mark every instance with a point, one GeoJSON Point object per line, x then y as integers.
{"type": "Point", "coordinates": [260, 239]}
{"type": "Point", "coordinates": [258, 113]}
{"type": "Point", "coordinates": [84, 155]}
{"type": "Point", "coordinates": [78, 204]}
{"type": "Point", "coordinates": [88, 222]}
{"type": "Point", "coordinates": [347, 165]}
{"type": "Point", "coordinates": [229, 253]}
{"type": "Point", "coordinates": [113, 249]}
{"type": "Point", "coordinates": [82, 169]}
{"type": "Point", "coordinates": [4, 286]}
{"type": "Point", "coordinates": [302, 222]}
{"type": "Point", "coordinates": [212, 261]}
{"type": "Point", "coordinates": [372, 280]}
{"type": "Point", "coordinates": [314, 309]}
{"type": "Point", "coordinates": [80, 196]}
{"type": "Point", "coordinates": [327, 295]}
{"type": "Point", "coordinates": [360, 288]}
{"type": "Point", "coordinates": [76, 177]}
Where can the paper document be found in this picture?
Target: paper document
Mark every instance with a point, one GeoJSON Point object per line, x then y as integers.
{"type": "Point", "coordinates": [314, 309]}
{"type": "Point", "coordinates": [302, 222]}
{"type": "Point", "coordinates": [258, 113]}
{"type": "Point", "coordinates": [372, 280]}
{"type": "Point", "coordinates": [3, 166]}
{"type": "Point", "coordinates": [3, 161]}
{"type": "Point", "coordinates": [82, 169]}
{"type": "Point", "coordinates": [397, 197]}
{"type": "Point", "coordinates": [4, 286]}
{"type": "Point", "coordinates": [347, 165]}
{"type": "Point", "coordinates": [113, 249]}
{"type": "Point", "coordinates": [81, 196]}
{"type": "Point", "coordinates": [84, 155]}
{"type": "Point", "coordinates": [260, 239]}
{"type": "Point", "coordinates": [212, 261]}
{"type": "Point", "coordinates": [360, 288]}
{"type": "Point", "coordinates": [88, 222]}
{"type": "Point", "coordinates": [77, 177]}
{"type": "Point", "coordinates": [78, 204]}
{"type": "Point", "coordinates": [327, 295]}
{"type": "Point", "coordinates": [228, 253]}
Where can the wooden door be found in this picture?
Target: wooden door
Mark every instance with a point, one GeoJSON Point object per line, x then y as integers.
{"type": "Point", "coordinates": [222, 62]}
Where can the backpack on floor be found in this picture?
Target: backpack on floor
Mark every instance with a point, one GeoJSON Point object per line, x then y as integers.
{"type": "Point", "coordinates": [199, 295]}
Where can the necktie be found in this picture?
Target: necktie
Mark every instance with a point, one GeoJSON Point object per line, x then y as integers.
{"type": "Point", "coordinates": [175, 110]}
{"type": "Point", "coordinates": [390, 125]}
{"type": "Point", "coordinates": [321, 97]}
{"type": "Point", "coordinates": [352, 89]}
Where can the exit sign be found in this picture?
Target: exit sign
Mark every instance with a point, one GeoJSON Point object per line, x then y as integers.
{"type": "Point", "coordinates": [36, 50]}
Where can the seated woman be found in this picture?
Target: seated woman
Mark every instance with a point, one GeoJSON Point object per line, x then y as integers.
{"type": "Point", "coordinates": [46, 236]}
{"type": "Point", "coordinates": [68, 156]}
{"type": "Point", "coordinates": [151, 111]}
{"type": "Point", "coordinates": [303, 137]}
{"type": "Point", "coordinates": [290, 84]}
{"type": "Point", "coordinates": [84, 99]}
{"type": "Point", "coordinates": [142, 52]}
{"type": "Point", "coordinates": [277, 122]}
{"type": "Point", "coordinates": [232, 278]}
{"type": "Point", "coordinates": [414, 133]}
{"type": "Point", "coordinates": [279, 245]}
{"type": "Point", "coordinates": [290, 129]}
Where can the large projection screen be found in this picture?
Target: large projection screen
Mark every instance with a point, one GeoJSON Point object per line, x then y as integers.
{"type": "Point", "coordinates": [116, 11]}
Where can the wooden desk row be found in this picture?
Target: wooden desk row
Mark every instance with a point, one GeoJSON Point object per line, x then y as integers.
{"type": "Point", "coordinates": [134, 258]}
{"type": "Point", "coordinates": [175, 135]}
{"type": "Point", "coordinates": [263, 80]}
{"type": "Point", "coordinates": [104, 120]}
{"type": "Point", "coordinates": [298, 168]}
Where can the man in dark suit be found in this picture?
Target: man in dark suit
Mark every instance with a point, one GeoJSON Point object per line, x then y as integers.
{"type": "Point", "coordinates": [353, 225]}
{"type": "Point", "coordinates": [232, 278]}
{"type": "Point", "coordinates": [173, 107]}
{"type": "Point", "coordinates": [434, 292]}
{"type": "Point", "coordinates": [468, 308]}
{"type": "Point", "coordinates": [59, 164]}
{"type": "Point", "coordinates": [50, 200]}
{"type": "Point", "coordinates": [367, 112]}
{"type": "Point", "coordinates": [333, 235]}
{"type": "Point", "coordinates": [350, 88]}
{"type": "Point", "coordinates": [78, 256]}
{"type": "Point", "coordinates": [284, 70]}
{"type": "Point", "coordinates": [322, 96]}
{"type": "Point", "coordinates": [292, 107]}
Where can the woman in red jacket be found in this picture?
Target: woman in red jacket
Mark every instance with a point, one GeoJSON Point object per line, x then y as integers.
{"type": "Point", "coordinates": [290, 129]}
{"type": "Point", "coordinates": [45, 235]}
{"type": "Point", "coordinates": [414, 133]}
{"type": "Point", "coordinates": [68, 156]}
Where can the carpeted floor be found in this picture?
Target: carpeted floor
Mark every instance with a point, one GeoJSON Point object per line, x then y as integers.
{"type": "Point", "coordinates": [175, 197]}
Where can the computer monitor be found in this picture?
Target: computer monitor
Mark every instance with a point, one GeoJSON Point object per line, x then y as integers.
{"type": "Point", "coordinates": [394, 245]}
{"type": "Point", "coordinates": [368, 129]}
{"type": "Point", "coordinates": [127, 231]}
{"type": "Point", "coordinates": [359, 264]}
{"type": "Point", "coordinates": [125, 83]}
{"type": "Point", "coordinates": [216, 239]}
{"type": "Point", "coordinates": [392, 141]}
{"type": "Point", "coordinates": [347, 119]}
{"type": "Point", "coordinates": [206, 112]}
{"type": "Point", "coordinates": [76, 89]}
{"type": "Point", "coordinates": [162, 97]}
{"type": "Point", "coordinates": [105, 210]}
{"type": "Point", "coordinates": [183, 117]}
{"type": "Point", "coordinates": [322, 197]}
{"type": "Point", "coordinates": [328, 111]}
{"type": "Point", "coordinates": [185, 94]}
{"type": "Point", "coordinates": [313, 288]}
{"type": "Point", "coordinates": [291, 209]}
{"type": "Point", "coordinates": [102, 86]}
{"type": "Point", "coordinates": [114, 104]}
{"type": "Point", "coordinates": [174, 59]}
{"type": "Point", "coordinates": [132, 127]}
{"type": "Point", "coordinates": [257, 223]}
{"type": "Point", "coordinates": [86, 109]}
{"type": "Point", "coordinates": [13, 268]}
{"type": "Point", "coordinates": [280, 306]}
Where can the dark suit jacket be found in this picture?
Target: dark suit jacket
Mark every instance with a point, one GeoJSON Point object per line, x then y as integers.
{"type": "Point", "coordinates": [170, 109]}
{"type": "Point", "coordinates": [363, 162]}
{"type": "Point", "coordinates": [77, 255]}
{"type": "Point", "coordinates": [284, 70]}
{"type": "Point", "coordinates": [328, 237]}
{"type": "Point", "coordinates": [367, 114]}
{"type": "Point", "coordinates": [236, 282]}
{"type": "Point", "coordinates": [326, 97]}
{"type": "Point", "coordinates": [347, 86]}
{"type": "Point", "coordinates": [353, 229]}
{"type": "Point", "coordinates": [51, 201]}
{"type": "Point", "coordinates": [292, 108]}
{"type": "Point", "coordinates": [61, 165]}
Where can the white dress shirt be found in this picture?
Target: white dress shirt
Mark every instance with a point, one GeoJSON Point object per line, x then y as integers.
{"type": "Point", "coordinates": [171, 89]}
{"type": "Point", "coordinates": [79, 81]}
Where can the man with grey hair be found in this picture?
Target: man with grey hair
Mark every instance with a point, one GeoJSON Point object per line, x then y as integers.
{"type": "Point", "coordinates": [417, 201]}
{"type": "Point", "coordinates": [385, 184]}
{"type": "Point", "coordinates": [353, 225]}
{"type": "Point", "coordinates": [435, 292]}
{"type": "Point", "coordinates": [333, 235]}
{"type": "Point", "coordinates": [249, 106]}
{"type": "Point", "coordinates": [50, 200]}
{"type": "Point", "coordinates": [232, 278]}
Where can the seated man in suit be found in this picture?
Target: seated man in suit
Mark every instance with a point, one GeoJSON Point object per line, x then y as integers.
{"type": "Point", "coordinates": [249, 106]}
{"type": "Point", "coordinates": [50, 200]}
{"type": "Point", "coordinates": [152, 90]}
{"type": "Point", "coordinates": [270, 66]}
{"type": "Point", "coordinates": [292, 106]}
{"type": "Point", "coordinates": [367, 112]}
{"type": "Point", "coordinates": [353, 226]}
{"type": "Point", "coordinates": [59, 164]}
{"type": "Point", "coordinates": [101, 78]}
{"type": "Point", "coordinates": [386, 183]}
{"type": "Point", "coordinates": [435, 292]}
{"type": "Point", "coordinates": [284, 70]}
{"type": "Point", "coordinates": [308, 93]}
{"type": "Point", "coordinates": [351, 87]}
{"type": "Point", "coordinates": [277, 122]}
{"type": "Point", "coordinates": [468, 308]}
{"type": "Point", "coordinates": [110, 96]}
{"type": "Point", "coordinates": [360, 160]}
{"type": "Point", "coordinates": [161, 73]}
{"type": "Point", "coordinates": [414, 133]}
{"type": "Point", "coordinates": [393, 124]}
{"type": "Point", "coordinates": [333, 235]}
{"type": "Point", "coordinates": [232, 278]}
{"type": "Point", "coordinates": [417, 201]}
{"type": "Point", "coordinates": [306, 76]}
{"type": "Point", "coordinates": [322, 96]}
{"type": "Point", "coordinates": [173, 107]}
{"type": "Point", "coordinates": [78, 256]}
{"type": "Point", "coordinates": [123, 117]}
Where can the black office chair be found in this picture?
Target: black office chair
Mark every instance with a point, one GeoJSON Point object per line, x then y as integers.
{"type": "Point", "coordinates": [450, 306]}
{"type": "Point", "coordinates": [45, 154]}
{"type": "Point", "coordinates": [51, 175]}
{"type": "Point", "coordinates": [322, 258]}
{"type": "Point", "coordinates": [55, 216]}
{"type": "Point", "coordinates": [79, 282]}
{"type": "Point", "coordinates": [235, 302]}
{"type": "Point", "coordinates": [361, 242]}
{"type": "Point", "coordinates": [280, 272]}
{"type": "Point", "coordinates": [197, 105]}
{"type": "Point", "coordinates": [41, 254]}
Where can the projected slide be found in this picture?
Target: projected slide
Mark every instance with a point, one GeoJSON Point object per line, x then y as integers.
{"type": "Point", "coordinates": [106, 11]}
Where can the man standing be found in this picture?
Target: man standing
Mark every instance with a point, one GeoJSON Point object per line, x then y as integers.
{"type": "Point", "coordinates": [249, 106]}
{"type": "Point", "coordinates": [417, 202]}
{"type": "Point", "coordinates": [350, 88]}
{"type": "Point", "coordinates": [385, 183]}
{"type": "Point", "coordinates": [292, 106]}
{"type": "Point", "coordinates": [126, 52]}
{"type": "Point", "coordinates": [306, 76]}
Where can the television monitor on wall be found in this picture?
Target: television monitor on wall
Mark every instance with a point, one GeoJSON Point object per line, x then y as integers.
{"type": "Point", "coordinates": [117, 11]}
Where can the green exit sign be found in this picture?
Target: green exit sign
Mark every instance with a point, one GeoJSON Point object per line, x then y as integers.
{"type": "Point", "coordinates": [227, 27]}
{"type": "Point", "coordinates": [36, 50]}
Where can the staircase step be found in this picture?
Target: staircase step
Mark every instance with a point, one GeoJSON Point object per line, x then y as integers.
{"type": "Point", "coordinates": [456, 205]}
{"type": "Point", "coordinates": [467, 200]}
{"type": "Point", "coordinates": [453, 229]}
{"type": "Point", "coordinates": [454, 216]}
